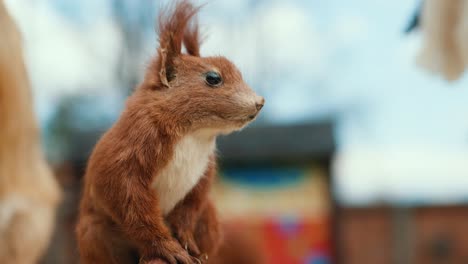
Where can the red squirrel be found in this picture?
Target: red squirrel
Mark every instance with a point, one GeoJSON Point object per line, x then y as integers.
{"type": "Point", "coordinates": [147, 181]}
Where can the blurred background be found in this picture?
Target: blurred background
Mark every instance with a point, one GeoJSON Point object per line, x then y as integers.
{"type": "Point", "coordinates": [358, 157]}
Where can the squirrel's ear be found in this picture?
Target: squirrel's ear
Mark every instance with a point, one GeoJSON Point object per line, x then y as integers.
{"type": "Point", "coordinates": [165, 68]}
{"type": "Point", "coordinates": [172, 28]}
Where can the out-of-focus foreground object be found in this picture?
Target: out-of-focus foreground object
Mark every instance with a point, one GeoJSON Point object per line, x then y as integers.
{"type": "Point", "coordinates": [29, 193]}
{"type": "Point", "coordinates": [445, 37]}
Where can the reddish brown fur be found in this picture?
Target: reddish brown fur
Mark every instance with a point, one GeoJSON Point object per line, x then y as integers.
{"type": "Point", "coordinates": [120, 217]}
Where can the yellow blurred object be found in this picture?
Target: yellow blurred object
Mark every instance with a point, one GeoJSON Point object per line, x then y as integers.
{"type": "Point", "coordinates": [307, 199]}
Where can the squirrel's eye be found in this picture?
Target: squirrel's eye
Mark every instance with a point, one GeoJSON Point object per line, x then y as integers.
{"type": "Point", "coordinates": [213, 79]}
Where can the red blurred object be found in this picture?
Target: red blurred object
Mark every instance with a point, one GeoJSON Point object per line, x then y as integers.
{"type": "Point", "coordinates": [291, 241]}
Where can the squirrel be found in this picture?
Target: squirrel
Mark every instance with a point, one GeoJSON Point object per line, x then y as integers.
{"type": "Point", "coordinates": [146, 185]}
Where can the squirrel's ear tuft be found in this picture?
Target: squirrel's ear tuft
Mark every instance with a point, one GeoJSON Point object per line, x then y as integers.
{"type": "Point", "coordinates": [174, 28]}
{"type": "Point", "coordinates": [192, 40]}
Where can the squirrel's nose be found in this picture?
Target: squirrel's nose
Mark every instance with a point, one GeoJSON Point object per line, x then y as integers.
{"type": "Point", "coordinates": [260, 104]}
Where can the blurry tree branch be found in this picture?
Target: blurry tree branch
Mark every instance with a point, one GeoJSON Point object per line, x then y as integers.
{"type": "Point", "coordinates": [134, 19]}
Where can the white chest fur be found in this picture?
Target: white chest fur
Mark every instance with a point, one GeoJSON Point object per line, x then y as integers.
{"type": "Point", "coordinates": [189, 162]}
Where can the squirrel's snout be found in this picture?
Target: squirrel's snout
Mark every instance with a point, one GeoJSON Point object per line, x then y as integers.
{"type": "Point", "coordinates": [259, 104]}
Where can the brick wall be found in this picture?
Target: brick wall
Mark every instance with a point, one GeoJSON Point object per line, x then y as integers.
{"type": "Point", "coordinates": [364, 236]}
{"type": "Point", "coordinates": [429, 235]}
{"type": "Point", "coordinates": [441, 235]}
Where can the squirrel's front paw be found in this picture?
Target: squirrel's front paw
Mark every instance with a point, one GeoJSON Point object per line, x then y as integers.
{"type": "Point", "coordinates": [187, 240]}
{"type": "Point", "coordinates": [167, 251]}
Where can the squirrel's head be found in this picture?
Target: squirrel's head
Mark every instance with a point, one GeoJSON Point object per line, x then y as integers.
{"type": "Point", "coordinates": [197, 92]}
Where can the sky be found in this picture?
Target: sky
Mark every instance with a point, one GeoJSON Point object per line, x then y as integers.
{"type": "Point", "coordinates": [311, 59]}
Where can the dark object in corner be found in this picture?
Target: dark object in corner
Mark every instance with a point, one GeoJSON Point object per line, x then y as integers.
{"type": "Point", "coordinates": [415, 21]}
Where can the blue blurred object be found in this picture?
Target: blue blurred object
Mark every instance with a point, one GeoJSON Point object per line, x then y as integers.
{"type": "Point", "coordinates": [264, 177]}
{"type": "Point", "coordinates": [317, 258]}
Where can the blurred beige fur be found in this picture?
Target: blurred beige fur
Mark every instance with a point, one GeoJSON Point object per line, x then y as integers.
{"type": "Point", "coordinates": [29, 193]}
{"type": "Point", "coordinates": [445, 37]}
